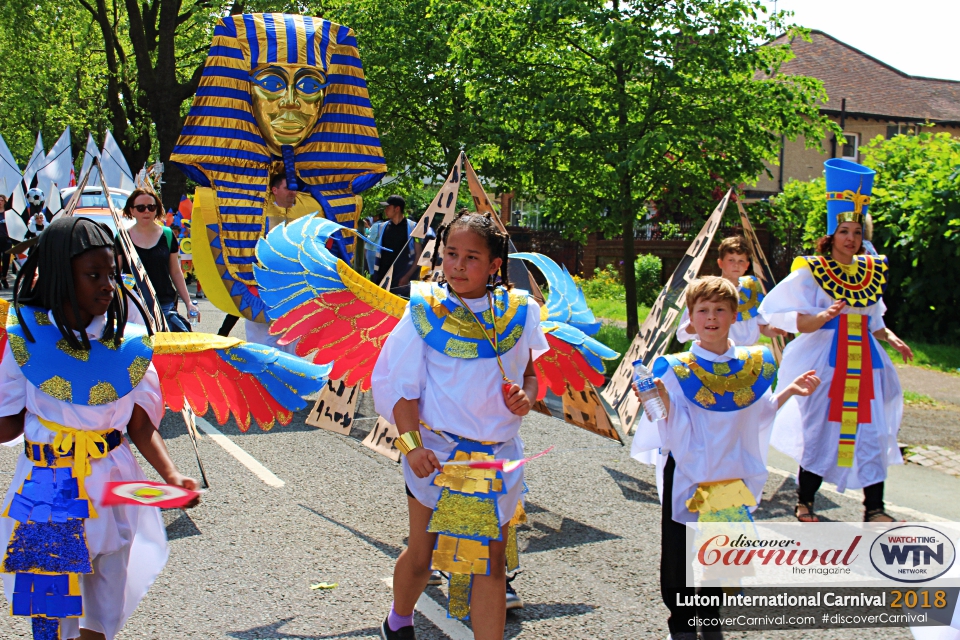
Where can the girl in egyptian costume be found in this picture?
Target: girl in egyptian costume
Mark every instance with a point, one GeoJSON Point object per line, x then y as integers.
{"type": "Point", "coordinates": [846, 432]}
{"type": "Point", "coordinates": [79, 378]}
{"type": "Point", "coordinates": [454, 368]}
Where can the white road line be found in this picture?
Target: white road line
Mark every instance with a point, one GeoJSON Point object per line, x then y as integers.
{"type": "Point", "coordinates": [436, 614]}
{"type": "Point", "coordinates": [242, 456]}
{"type": "Point", "coordinates": [912, 514]}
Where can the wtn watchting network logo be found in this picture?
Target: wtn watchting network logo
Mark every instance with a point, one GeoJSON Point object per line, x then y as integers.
{"type": "Point", "coordinates": [912, 553]}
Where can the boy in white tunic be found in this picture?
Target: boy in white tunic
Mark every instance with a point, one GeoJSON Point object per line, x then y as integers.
{"type": "Point", "coordinates": [734, 262]}
{"type": "Point", "coordinates": [846, 433]}
{"type": "Point", "coordinates": [456, 376]}
{"type": "Point", "coordinates": [718, 401]}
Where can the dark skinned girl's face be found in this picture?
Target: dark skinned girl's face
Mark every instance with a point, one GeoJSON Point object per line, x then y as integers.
{"type": "Point", "coordinates": [94, 282]}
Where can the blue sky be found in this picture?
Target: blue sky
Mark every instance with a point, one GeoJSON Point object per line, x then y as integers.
{"type": "Point", "coordinates": [919, 37]}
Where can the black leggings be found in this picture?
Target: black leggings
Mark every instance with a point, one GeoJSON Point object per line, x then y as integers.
{"type": "Point", "coordinates": [674, 565]}
{"type": "Point", "coordinates": [808, 483]}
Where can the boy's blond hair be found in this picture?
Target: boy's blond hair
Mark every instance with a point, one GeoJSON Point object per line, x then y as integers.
{"type": "Point", "coordinates": [712, 289]}
{"type": "Point", "coordinates": [735, 244]}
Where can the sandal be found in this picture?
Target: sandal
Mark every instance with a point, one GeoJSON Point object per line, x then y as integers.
{"type": "Point", "coordinates": [809, 516]}
{"type": "Point", "coordinates": [879, 515]}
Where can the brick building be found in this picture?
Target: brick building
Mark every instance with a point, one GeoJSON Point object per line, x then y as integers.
{"type": "Point", "coordinates": [867, 98]}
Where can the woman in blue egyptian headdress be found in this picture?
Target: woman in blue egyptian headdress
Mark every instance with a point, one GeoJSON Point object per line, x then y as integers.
{"type": "Point", "coordinates": [280, 95]}
{"type": "Point", "coordinates": [846, 432]}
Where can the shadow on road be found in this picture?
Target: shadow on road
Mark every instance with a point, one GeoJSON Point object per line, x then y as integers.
{"type": "Point", "coordinates": [272, 631]}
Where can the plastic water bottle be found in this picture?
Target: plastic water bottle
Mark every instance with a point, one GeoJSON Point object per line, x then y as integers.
{"type": "Point", "coordinates": [649, 396]}
{"type": "Point", "coordinates": [194, 317]}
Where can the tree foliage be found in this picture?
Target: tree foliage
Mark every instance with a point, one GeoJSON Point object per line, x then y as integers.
{"type": "Point", "coordinates": [916, 214]}
{"type": "Point", "coordinates": [797, 216]}
{"type": "Point", "coordinates": [52, 76]}
{"type": "Point", "coordinates": [604, 106]}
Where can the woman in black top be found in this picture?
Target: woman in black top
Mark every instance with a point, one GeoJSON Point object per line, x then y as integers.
{"type": "Point", "coordinates": [158, 249]}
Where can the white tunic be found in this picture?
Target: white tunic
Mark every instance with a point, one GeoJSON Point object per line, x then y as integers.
{"type": "Point", "coordinates": [458, 396]}
{"type": "Point", "coordinates": [707, 446]}
{"type": "Point", "coordinates": [128, 544]}
{"type": "Point", "coordinates": [801, 429]}
{"type": "Point", "coordinates": [744, 333]}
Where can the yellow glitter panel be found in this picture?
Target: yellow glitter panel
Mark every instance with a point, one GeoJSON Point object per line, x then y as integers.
{"type": "Point", "coordinates": [419, 316]}
{"type": "Point", "coordinates": [519, 516]}
{"type": "Point", "coordinates": [103, 393]}
{"type": "Point", "coordinates": [138, 369]}
{"type": "Point", "coordinates": [466, 480]}
{"type": "Point", "coordinates": [460, 349]}
{"type": "Point", "coordinates": [681, 371]}
{"type": "Point", "coordinates": [717, 496]}
{"type": "Point", "coordinates": [42, 318]}
{"type": "Point", "coordinates": [721, 368]}
{"type": "Point", "coordinates": [510, 341]}
{"type": "Point", "coordinates": [369, 292]}
{"type": "Point", "coordinates": [457, 514]}
{"type": "Point", "coordinates": [57, 387]}
{"type": "Point", "coordinates": [460, 589]}
{"type": "Point", "coordinates": [19, 347]}
{"type": "Point", "coordinates": [705, 398]}
{"type": "Point", "coordinates": [743, 397]}
{"type": "Point", "coordinates": [80, 354]}
{"type": "Point", "coordinates": [768, 370]}
{"type": "Point", "coordinates": [177, 343]}
{"type": "Point", "coordinates": [109, 344]}
{"type": "Point", "coordinates": [512, 550]}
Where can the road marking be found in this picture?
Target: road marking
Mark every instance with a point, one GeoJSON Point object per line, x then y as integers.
{"type": "Point", "coordinates": [437, 615]}
{"type": "Point", "coordinates": [242, 456]}
{"type": "Point", "coordinates": [912, 514]}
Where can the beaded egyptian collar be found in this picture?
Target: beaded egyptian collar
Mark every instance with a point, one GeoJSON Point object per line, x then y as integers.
{"type": "Point", "coordinates": [860, 283]}
{"type": "Point", "coordinates": [452, 330]}
{"type": "Point", "coordinates": [721, 386]}
{"type": "Point", "coordinates": [751, 295]}
{"type": "Point", "coordinates": [104, 374]}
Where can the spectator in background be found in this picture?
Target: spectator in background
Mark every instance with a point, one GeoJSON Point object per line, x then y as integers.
{"type": "Point", "coordinates": [5, 244]}
{"type": "Point", "coordinates": [395, 234]}
{"type": "Point", "coordinates": [159, 252]}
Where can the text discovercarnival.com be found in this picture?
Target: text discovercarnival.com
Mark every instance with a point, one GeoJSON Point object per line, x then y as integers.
{"type": "Point", "coordinates": [791, 575]}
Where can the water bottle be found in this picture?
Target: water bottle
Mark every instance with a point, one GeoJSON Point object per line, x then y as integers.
{"type": "Point", "coordinates": [649, 396]}
{"type": "Point", "coordinates": [194, 317]}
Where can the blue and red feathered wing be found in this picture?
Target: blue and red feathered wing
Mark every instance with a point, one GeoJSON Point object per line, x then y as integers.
{"type": "Point", "coordinates": [251, 381]}
{"type": "Point", "coordinates": [317, 300]}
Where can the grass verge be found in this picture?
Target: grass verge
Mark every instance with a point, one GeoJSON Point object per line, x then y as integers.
{"type": "Point", "coordinates": [940, 357]}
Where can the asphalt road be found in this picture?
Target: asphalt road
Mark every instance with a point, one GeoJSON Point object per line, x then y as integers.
{"type": "Point", "coordinates": [242, 564]}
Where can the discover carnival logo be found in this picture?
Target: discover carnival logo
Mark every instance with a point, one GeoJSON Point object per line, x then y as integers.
{"type": "Point", "coordinates": [912, 553]}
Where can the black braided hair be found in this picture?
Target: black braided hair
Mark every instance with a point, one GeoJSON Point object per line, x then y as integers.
{"type": "Point", "coordinates": [482, 224]}
{"type": "Point", "coordinates": [46, 279]}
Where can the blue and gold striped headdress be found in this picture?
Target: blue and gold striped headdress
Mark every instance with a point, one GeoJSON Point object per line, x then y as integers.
{"type": "Point", "coordinates": [222, 147]}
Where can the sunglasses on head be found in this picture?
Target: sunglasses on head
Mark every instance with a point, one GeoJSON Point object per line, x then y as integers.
{"type": "Point", "coordinates": [145, 207]}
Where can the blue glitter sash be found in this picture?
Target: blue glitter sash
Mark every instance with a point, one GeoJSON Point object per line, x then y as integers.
{"type": "Point", "coordinates": [467, 519]}
{"type": "Point", "coordinates": [104, 374]}
{"type": "Point", "coordinates": [452, 330]}
{"type": "Point", "coordinates": [751, 295]}
{"type": "Point", "coordinates": [721, 386]}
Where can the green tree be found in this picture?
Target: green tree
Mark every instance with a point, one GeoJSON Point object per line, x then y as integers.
{"type": "Point", "coordinates": [52, 75]}
{"type": "Point", "coordinates": [916, 214]}
{"type": "Point", "coordinates": [799, 213]}
{"type": "Point", "coordinates": [604, 106]}
{"type": "Point", "coordinates": [154, 53]}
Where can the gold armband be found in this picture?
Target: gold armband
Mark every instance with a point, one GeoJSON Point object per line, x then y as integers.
{"type": "Point", "coordinates": [408, 442]}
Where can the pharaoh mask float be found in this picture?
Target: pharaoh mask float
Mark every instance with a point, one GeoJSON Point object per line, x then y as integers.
{"type": "Point", "coordinates": [279, 94]}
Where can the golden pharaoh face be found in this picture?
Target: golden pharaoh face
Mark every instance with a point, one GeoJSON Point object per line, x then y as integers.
{"type": "Point", "coordinates": [287, 99]}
